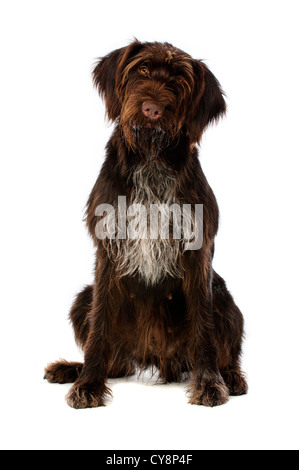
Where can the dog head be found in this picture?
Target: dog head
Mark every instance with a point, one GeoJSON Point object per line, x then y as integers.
{"type": "Point", "coordinates": [155, 87]}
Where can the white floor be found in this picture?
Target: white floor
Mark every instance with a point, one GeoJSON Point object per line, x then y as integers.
{"type": "Point", "coordinates": [143, 415]}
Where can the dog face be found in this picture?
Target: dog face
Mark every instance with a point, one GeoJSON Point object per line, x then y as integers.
{"type": "Point", "coordinates": [157, 88]}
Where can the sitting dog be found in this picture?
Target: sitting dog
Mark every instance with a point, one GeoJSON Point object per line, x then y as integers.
{"type": "Point", "coordinates": [156, 300]}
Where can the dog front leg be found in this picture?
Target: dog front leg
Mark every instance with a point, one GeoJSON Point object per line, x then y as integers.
{"type": "Point", "coordinates": [207, 387]}
{"type": "Point", "coordinates": [90, 389]}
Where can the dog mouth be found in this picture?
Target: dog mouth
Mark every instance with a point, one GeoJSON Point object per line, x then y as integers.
{"type": "Point", "coordinates": [148, 125]}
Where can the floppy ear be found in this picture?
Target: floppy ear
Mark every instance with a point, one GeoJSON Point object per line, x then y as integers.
{"type": "Point", "coordinates": [207, 104]}
{"type": "Point", "coordinates": [106, 75]}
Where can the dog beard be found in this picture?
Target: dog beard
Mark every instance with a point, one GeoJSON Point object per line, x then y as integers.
{"type": "Point", "coordinates": [150, 141]}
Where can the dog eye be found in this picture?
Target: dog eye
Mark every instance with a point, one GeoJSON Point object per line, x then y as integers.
{"type": "Point", "coordinates": [144, 71]}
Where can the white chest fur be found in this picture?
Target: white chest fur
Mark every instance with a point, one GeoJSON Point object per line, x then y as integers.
{"type": "Point", "coordinates": [150, 259]}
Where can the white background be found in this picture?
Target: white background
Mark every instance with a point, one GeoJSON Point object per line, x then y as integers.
{"type": "Point", "coordinates": [53, 136]}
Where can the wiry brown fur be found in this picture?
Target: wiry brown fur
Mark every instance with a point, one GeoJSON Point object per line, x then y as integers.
{"type": "Point", "coordinates": [185, 323]}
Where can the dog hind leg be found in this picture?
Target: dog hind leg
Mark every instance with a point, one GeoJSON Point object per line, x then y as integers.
{"type": "Point", "coordinates": [229, 325]}
{"type": "Point", "coordinates": [79, 315]}
{"type": "Point", "coordinates": [67, 372]}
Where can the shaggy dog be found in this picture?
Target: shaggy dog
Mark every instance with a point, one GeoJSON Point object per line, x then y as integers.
{"type": "Point", "coordinates": [156, 300]}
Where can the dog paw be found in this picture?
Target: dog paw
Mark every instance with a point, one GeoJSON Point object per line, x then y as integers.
{"type": "Point", "coordinates": [80, 397]}
{"type": "Point", "coordinates": [236, 382]}
{"type": "Point", "coordinates": [210, 393]}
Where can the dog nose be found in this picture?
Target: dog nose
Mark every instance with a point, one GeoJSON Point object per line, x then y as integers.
{"type": "Point", "coordinates": [152, 110]}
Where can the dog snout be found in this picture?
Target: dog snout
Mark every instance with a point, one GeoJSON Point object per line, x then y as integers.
{"type": "Point", "coordinates": [152, 110]}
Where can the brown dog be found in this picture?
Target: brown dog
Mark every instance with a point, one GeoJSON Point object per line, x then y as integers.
{"type": "Point", "coordinates": [156, 300]}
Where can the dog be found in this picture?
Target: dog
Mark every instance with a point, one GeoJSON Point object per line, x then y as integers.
{"type": "Point", "coordinates": [155, 302]}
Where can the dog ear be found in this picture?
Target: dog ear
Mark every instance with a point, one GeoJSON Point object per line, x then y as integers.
{"type": "Point", "coordinates": [106, 76]}
{"type": "Point", "coordinates": [207, 104]}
